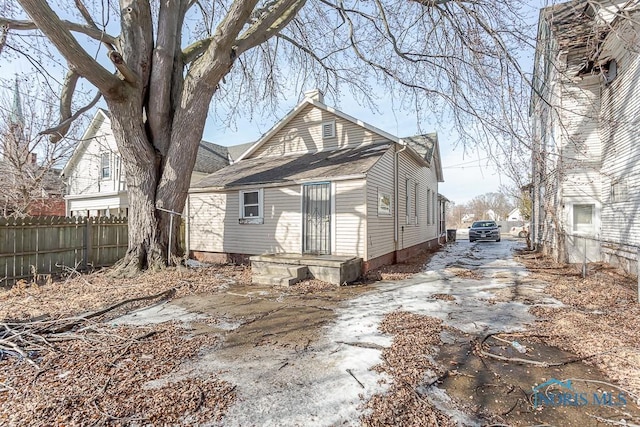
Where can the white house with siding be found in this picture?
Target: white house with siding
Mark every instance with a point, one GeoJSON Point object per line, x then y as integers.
{"type": "Point", "coordinates": [95, 178]}
{"type": "Point", "coordinates": [585, 113]}
{"type": "Point", "coordinates": [320, 182]}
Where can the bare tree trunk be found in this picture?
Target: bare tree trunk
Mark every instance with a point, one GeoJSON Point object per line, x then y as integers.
{"type": "Point", "coordinates": [142, 167]}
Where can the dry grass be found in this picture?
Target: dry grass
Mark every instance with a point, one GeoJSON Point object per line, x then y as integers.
{"type": "Point", "coordinates": [601, 316]}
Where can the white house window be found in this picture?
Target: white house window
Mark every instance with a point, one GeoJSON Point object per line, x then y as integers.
{"type": "Point", "coordinates": [328, 130]}
{"type": "Point", "coordinates": [384, 203]}
{"type": "Point", "coordinates": [434, 203]}
{"type": "Point", "coordinates": [619, 192]}
{"type": "Point", "coordinates": [429, 207]}
{"type": "Point", "coordinates": [105, 165]}
{"type": "Point", "coordinates": [583, 218]}
{"type": "Point", "coordinates": [407, 200]}
{"type": "Point", "coordinates": [251, 207]}
{"type": "Point", "coordinates": [415, 202]}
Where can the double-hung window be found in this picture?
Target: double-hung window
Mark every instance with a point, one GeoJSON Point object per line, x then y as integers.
{"type": "Point", "coordinates": [251, 209]}
{"type": "Point", "coordinates": [105, 165]}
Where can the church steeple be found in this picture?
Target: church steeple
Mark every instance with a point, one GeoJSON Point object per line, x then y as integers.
{"type": "Point", "coordinates": [17, 118]}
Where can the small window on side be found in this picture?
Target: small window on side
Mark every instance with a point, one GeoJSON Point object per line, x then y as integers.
{"type": "Point", "coordinates": [251, 209]}
{"type": "Point", "coordinates": [105, 165]}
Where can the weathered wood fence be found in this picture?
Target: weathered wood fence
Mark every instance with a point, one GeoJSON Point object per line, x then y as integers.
{"type": "Point", "coordinates": [52, 245]}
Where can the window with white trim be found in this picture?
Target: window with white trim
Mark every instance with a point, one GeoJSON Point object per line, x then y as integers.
{"type": "Point", "coordinates": [583, 218]}
{"type": "Point", "coordinates": [251, 209]}
{"type": "Point", "coordinates": [434, 203]}
{"type": "Point", "coordinates": [407, 200]}
{"type": "Point", "coordinates": [429, 207]}
{"type": "Point", "coordinates": [619, 191]}
{"type": "Point", "coordinates": [329, 130]}
{"type": "Point", "coordinates": [105, 165]}
{"type": "Point", "coordinates": [415, 202]}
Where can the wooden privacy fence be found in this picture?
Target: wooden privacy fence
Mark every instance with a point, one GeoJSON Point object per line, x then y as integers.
{"type": "Point", "coordinates": [50, 245]}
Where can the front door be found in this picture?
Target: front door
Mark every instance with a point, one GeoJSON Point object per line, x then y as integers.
{"type": "Point", "coordinates": [316, 218]}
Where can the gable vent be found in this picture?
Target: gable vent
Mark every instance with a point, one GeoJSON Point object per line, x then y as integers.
{"type": "Point", "coordinates": [328, 130]}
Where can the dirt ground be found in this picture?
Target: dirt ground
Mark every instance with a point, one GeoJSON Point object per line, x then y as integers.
{"type": "Point", "coordinates": [110, 370]}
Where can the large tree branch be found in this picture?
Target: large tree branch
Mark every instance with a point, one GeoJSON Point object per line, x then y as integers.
{"type": "Point", "coordinates": [59, 131]}
{"type": "Point", "coordinates": [50, 24]}
{"type": "Point", "coordinates": [160, 117]}
{"type": "Point", "coordinates": [93, 32]}
{"type": "Point", "coordinates": [3, 37]}
{"type": "Point", "coordinates": [268, 22]}
{"type": "Point", "coordinates": [136, 47]}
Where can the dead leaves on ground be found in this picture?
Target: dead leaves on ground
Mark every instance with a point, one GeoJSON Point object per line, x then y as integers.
{"type": "Point", "coordinates": [601, 316]}
{"type": "Point", "coordinates": [408, 363]}
{"type": "Point", "coordinates": [113, 376]}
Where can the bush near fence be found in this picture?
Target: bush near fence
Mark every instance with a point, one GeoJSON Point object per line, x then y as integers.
{"type": "Point", "coordinates": [36, 246]}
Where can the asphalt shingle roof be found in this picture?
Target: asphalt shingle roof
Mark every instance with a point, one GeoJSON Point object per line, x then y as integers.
{"type": "Point", "coordinates": [211, 157]}
{"type": "Point", "coordinates": [268, 170]}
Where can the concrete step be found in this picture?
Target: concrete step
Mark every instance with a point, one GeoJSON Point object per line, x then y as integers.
{"type": "Point", "coordinates": [260, 279]}
{"type": "Point", "coordinates": [273, 269]}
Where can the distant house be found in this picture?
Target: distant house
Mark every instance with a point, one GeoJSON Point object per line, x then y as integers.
{"type": "Point", "coordinates": [515, 216]}
{"type": "Point", "coordinates": [321, 182]}
{"type": "Point", "coordinates": [95, 179]}
{"type": "Point", "coordinates": [585, 112]}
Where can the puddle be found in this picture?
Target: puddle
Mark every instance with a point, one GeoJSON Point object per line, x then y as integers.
{"type": "Point", "coordinates": [504, 392]}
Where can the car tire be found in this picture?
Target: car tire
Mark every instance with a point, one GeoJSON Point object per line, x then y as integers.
{"type": "Point", "coordinates": [471, 240]}
{"type": "Point", "coordinates": [522, 234]}
{"type": "Point", "coordinates": [498, 240]}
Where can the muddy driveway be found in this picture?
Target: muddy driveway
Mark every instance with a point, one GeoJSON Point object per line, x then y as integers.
{"type": "Point", "coordinates": [302, 358]}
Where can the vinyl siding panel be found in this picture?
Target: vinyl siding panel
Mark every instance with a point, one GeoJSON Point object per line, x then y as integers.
{"type": "Point", "coordinates": [214, 225]}
{"type": "Point", "coordinates": [350, 218]}
{"type": "Point", "coordinates": [620, 121]}
{"type": "Point", "coordinates": [380, 227]}
{"type": "Point", "coordinates": [579, 115]}
{"type": "Point", "coordinates": [304, 134]}
{"type": "Point", "coordinates": [418, 229]}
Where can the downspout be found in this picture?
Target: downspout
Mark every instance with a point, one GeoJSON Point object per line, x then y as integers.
{"type": "Point", "coordinates": [395, 193]}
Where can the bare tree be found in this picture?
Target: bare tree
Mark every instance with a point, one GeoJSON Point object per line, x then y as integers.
{"type": "Point", "coordinates": [29, 164]}
{"type": "Point", "coordinates": [446, 59]}
{"type": "Point", "coordinates": [483, 205]}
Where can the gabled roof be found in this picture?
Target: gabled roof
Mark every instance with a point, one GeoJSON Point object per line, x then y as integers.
{"type": "Point", "coordinates": [297, 109]}
{"type": "Point", "coordinates": [428, 149]}
{"type": "Point", "coordinates": [287, 169]}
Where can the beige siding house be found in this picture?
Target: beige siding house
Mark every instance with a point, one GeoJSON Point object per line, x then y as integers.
{"type": "Point", "coordinates": [324, 183]}
{"type": "Point", "coordinates": [585, 124]}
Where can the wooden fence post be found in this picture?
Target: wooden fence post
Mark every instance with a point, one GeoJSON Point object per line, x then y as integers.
{"type": "Point", "coordinates": [88, 243]}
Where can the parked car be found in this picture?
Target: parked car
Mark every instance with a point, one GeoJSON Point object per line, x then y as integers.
{"type": "Point", "coordinates": [484, 230]}
{"type": "Point", "coordinates": [520, 231]}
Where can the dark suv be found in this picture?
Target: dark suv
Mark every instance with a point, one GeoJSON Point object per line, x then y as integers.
{"type": "Point", "coordinates": [484, 230]}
